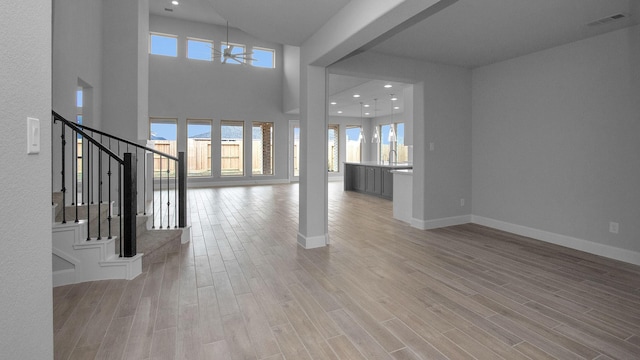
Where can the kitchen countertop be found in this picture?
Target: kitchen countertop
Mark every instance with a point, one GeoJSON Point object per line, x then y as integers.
{"type": "Point", "coordinates": [382, 165]}
{"type": "Point", "coordinates": [403, 171]}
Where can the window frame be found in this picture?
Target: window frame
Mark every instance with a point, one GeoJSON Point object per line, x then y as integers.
{"type": "Point", "coordinates": [208, 122]}
{"type": "Point", "coordinates": [211, 44]}
{"type": "Point", "coordinates": [335, 157]}
{"type": "Point", "coordinates": [171, 36]}
{"type": "Point", "coordinates": [242, 155]}
{"type": "Point", "coordinates": [244, 50]}
{"type": "Point", "coordinates": [360, 128]}
{"type": "Point", "coordinates": [271, 148]}
{"type": "Point", "coordinates": [273, 57]}
{"type": "Point", "coordinates": [160, 120]}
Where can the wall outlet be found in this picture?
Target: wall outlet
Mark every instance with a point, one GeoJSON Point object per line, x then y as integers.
{"type": "Point", "coordinates": [613, 227]}
{"type": "Point", "coordinates": [462, 202]}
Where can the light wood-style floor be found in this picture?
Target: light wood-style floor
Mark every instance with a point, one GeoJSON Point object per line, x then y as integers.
{"type": "Point", "coordinates": [243, 289]}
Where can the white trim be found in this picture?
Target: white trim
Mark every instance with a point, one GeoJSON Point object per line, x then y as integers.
{"type": "Point", "coordinates": [629, 256]}
{"type": "Point", "coordinates": [64, 277]}
{"type": "Point", "coordinates": [442, 222]}
{"type": "Point", "coordinates": [205, 184]}
{"type": "Point", "coordinates": [313, 241]}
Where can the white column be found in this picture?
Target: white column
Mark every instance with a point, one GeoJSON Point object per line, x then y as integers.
{"type": "Point", "coordinates": [313, 226]}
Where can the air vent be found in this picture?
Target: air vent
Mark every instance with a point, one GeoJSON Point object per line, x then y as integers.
{"type": "Point", "coordinates": [168, 9]}
{"type": "Point", "coordinates": [608, 19]}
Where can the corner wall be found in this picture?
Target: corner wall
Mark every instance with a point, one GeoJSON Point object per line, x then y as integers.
{"type": "Point", "coordinates": [26, 329]}
{"type": "Point", "coordinates": [556, 144]}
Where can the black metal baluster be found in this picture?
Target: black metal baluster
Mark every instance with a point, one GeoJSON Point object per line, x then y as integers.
{"type": "Point", "coordinates": [168, 195]}
{"type": "Point", "coordinates": [109, 193]}
{"type": "Point", "coordinates": [99, 191]}
{"type": "Point", "coordinates": [73, 150]}
{"type": "Point", "coordinates": [144, 182]}
{"type": "Point", "coordinates": [120, 184]}
{"type": "Point", "coordinates": [76, 173]}
{"type": "Point", "coordinates": [160, 206]}
{"type": "Point", "coordinates": [89, 171]}
{"type": "Point", "coordinates": [85, 155]}
{"type": "Point", "coordinates": [153, 194]}
{"type": "Point", "coordinates": [63, 189]}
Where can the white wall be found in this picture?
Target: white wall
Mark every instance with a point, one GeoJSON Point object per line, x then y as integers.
{"type": "Point", "coordinates": [556, 142]}
{"type": "Point", "coordinates": [77, 54]}
{"type": "Point", "coordinates": [26, 330]}
{"type": "Point", "coordinates": [181, 88]}
{"type": "Point", "coordinates": [124, 67]}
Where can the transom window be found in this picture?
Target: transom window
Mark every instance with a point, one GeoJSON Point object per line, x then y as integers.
{"type": "Point", "coordinates": [236, 49]}
{"type": "Point", "coordinates": [198, 49]}
{"type": "Point", "coordinates": [163, 44]}
{"type": "Point", "coordinates": [263, 57]}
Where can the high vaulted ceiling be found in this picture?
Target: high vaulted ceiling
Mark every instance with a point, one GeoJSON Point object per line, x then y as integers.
{"type": "Point", "coordinates": [468, 33]}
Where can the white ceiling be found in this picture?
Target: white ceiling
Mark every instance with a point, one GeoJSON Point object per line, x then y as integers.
{"type": "Point", "coordinates": [468, 33]}
{"type": "Point", "coordinates": [342, 88]}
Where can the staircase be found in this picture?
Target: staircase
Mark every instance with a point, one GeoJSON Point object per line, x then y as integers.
{"type": "Point", "coordinates": [99, 231]}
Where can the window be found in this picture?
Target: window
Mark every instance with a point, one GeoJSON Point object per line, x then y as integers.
{"type": "Point", "coordinates": [295, 154]}
{"type": "Point", "coordinates": [199, 49]}
{"type": "Point", "coordinates": [231, 148]}
{"type": "Point", "coordinates": [163, 136]}
{"type": "Point", "coordinates": [334, 159]}
{"type": "Point", "coordinates": [263, 58]}
{"type": "Point", "coordinates": [384, 142]}
{"type": "Point", "coordinates": [354, 146]}
{"type": "Point", "coordinates": [161, 44]}
{"type": "Point", "coordinates": [403, 150]}
{"type": "Point", "coordinates": [262, 148]}
{"type": "Point", "coordinates": [236, 49]}
{"type": "Point", "coordinates": [198, 148]}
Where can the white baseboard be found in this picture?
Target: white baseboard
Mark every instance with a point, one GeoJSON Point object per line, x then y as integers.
{"type": "Point", "coordinates": [313, 242]}
{"type": "Point", "coordinates": [438, 223]}
{"type": "Point", "coordinates": [64, 277]}
{"type": "Point", "coordinates": [629, 256]}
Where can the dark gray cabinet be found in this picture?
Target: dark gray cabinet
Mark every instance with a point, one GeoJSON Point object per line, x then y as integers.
{"type": "Point", "coordinates": [373, 183]}
{"type": "Point", "coordinates": [387, 183]}
{"type": "Point", "coordinates": [370, 179]}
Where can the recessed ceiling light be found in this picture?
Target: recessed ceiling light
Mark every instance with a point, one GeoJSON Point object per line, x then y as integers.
{"type": "Point", "coordinates": [334, 103]}
{"type": "Point", "coordinates": [366, 113]}
{"type": "Point", "coordinates": [175, 2]}
{"type": "Point", "coordinates": [396, 107]}
{"type": "Point", "coordinates": [388, 86]}
{"type": "Point", "coordinates": [339, 111]}
{"type": "Point", "coordinates": [366, 105]}
{"type": "Point", "coordinates": [356, 95]}
{"type": "Point", "coordinates": [394, 98]}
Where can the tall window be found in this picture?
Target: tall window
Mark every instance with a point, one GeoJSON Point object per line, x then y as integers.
{"type": "Point", "coordinates": [263, 57]}
{"type": "Point", "coordinates": [403, 150]}
{"type": "Point", "coordinates": [333, 156]}
{"type": "Point", "coordinates": [262, 148]}
{"type": "Point", "coordinates": [199, 49]}
{"type": "Point", "coordinates": [198, 148]}
{"type": "Point", "coordinates": [163, 44]}
{"type": "Point", "coordinates": [163, 135]}
{"type": "Point", "coordinates": [354, 146]}
{"type": "Point", "coordinates": [384, 142]}
{"type": "Point", "coordinates": [296, 151]}
{"type": "Point", "coordinates": [236, 49]}
{"type": "Point", "coordinates": [231, 148]}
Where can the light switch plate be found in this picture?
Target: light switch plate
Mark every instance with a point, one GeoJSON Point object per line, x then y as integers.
{"type": "Point", "coordinates": [33, 136]}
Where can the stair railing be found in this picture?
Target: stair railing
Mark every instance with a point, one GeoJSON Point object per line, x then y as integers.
{"type": "Point", "coordinates": [163, 180]}
{"type": "Point", "coordinates": [126, 184]}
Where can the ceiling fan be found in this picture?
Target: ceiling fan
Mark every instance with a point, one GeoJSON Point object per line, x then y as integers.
{"type": "Point", "coordinates": [228, 54]}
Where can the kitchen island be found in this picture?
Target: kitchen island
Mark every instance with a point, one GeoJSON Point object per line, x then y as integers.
{"type": "Point", "coordinates": [371, 177]}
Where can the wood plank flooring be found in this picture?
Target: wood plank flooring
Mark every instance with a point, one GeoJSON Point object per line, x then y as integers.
{"type": "Point", "coordinates": [243, 289]}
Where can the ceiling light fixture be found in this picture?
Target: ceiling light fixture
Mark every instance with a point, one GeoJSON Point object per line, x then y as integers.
{"type": "Point", "coordinates": [339, 111]}
{"type": "Point", "coordinates": [393, 98]}
{"type": "Point", "coordinates": [334, 103]}
{"type": "Point", "coordinates": [366, 105]}
{"type": "Point", "coordinates": [388, 86]}
{"type": "Point", "coordinates": [396, 107]}
{"type": "Point", "coordinates": [175, 2]}
{"type": "Point", "coordinates": [356, 95]}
